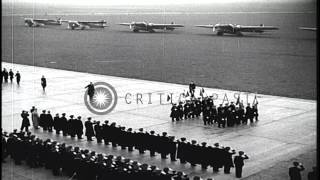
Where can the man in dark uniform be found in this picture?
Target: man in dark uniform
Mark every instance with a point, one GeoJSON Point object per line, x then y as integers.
{"type": "Point", "coordinates": [174, 113]}
{"type": "Point", "coordinates": [25, 121]}
{"type": "Point", "coordinates": [64, 124]}
{"type": "Point", "coordinates": [164, 141]}
{"type": "Point", "coordinates": [242, 115]}
{"type": "Point", "coordinates": [129, 139]}
{"type": "Point", "coordinates": [43, 120]}
{"type": "Point", "coordinates": [249, 114]}
{"type": "Point", "coordinates": [214, 114]}
{"type": "Point", "coordinates": [11, 74]}
{"type": "Point", "coordinates": [43, 83]}
{"type": "Point", "coordinates": [181, 150]}
{"type": "Point", "coordinates": [221, 119]}
{"type": "Point", "coordinates": [90, 90]}
{"type": "Point", "coordinates": [294, 172]}
{"type": "Point", "coordinates": [98, 132]}
{"type": "Point", "coordinates": [106, 132]}
{"type": "Point", "coordinates": [79, 127]}
{"type": "Point", "coordinates": [203, 153]}
{"type": "Point", "coordinates": [57, 123]}
{"type": "Point", "coordinates": [140, 143]}
{"type": "Point", "coordinates": [192, 87]}
{"type": "Point", "coordinates": [206, 115]}
{"type": "Point", "coordinates": [18, 77]}
{"type": "Point", "coordinates": [228, 163]}
{"type": "Point", "coordinates": [198, 107]}
{"type": "Point", "coordinates": [186, 110]}
{"type": "Point", "coordinates": [49, 121]}
{"type": "Point", "coordinates": [152, 140]}
{"type": "Point", "coordinates": [5, 75]}
{"type": "Point", "coordinates": [239, 162]}
{"type": "Point", "coordinates": [89, 129]}
{"type": "Point", "coordinates": [71, 126]}
{"type": "Point", "coordinates": [172, 148]}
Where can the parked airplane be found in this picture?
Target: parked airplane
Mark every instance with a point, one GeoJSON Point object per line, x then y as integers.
{"type": "Point", "coordinates": [308, 28]}
{"type": "Point", "coordinates": [41, 22]}
{"type": "Point", "coordinates": [237, 29]}
{"type": "Point", "coordinates": [150, 27]}
{"type": "Point", "coordinates": [86, 24]}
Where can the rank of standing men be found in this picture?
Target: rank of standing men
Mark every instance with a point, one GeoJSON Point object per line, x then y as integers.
{"type": "Point", "coordinates": [78, 163]}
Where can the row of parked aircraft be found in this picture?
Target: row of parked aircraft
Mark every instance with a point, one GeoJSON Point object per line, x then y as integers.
{"type": "Point", "coordinates": [220, 29]}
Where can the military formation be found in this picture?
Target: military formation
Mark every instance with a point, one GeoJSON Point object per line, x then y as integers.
{"type": "Point", "coordinates": [215, 156]}
{"type": "Point", "coordinates": [227, 115]}
{"type": "Point", "coordinates": [74, 162]}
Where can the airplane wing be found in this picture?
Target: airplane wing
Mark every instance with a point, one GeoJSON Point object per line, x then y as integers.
{"type": "Point", "coordinates": [125, 24]}
{"type": "Point", "coordinates": [308, 29]}
{"type": "Point", "coordinates": [261, 28]}
{"type": "Point", "coordinates": [205, 26]}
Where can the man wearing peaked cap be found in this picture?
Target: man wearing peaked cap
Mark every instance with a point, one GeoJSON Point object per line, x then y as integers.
{"type": "Point", "coordinates": [98, 131]}
{"type": "Point", "coordinates": [64, 124]}
{"type": "Point", "coordinates": [78, 127]}
{"type": "Point", "coordinates": [89, 129]}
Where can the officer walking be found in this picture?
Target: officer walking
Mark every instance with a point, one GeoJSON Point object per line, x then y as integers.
{"type": "Point", "coordinates": [43, 83]}
{"type": "Point", "coordinates": [90, 90]}
{"type": "Point", "coordinates": [18, 77]}
{"type": "Point", "coordinates": [11, 74]}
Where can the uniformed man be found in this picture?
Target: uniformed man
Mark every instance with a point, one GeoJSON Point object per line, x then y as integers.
{"type": "Point", "coordinates": [172, 148]}
{"type": "Point", "coordinates": [174, 112]}
{"type": "Point", "coordinates": [239, 162]}
{"type": "Point", "coordinates": [64, 124]}
{"type": "Point", "coordinates": [105, 132]}
{"type": "Point", "coordinates": [18, 77]}
{"type": "Point", "coordinates": [91, 90]}
{"type": "Point", "coordinates": [43, 120]}
{"type": "Point", "coordinates": [89, 129]}
{"type": "Point", "coordinates": [181, 150]}
{"type": "Point", "coordinates": [98, 132]}
{"type": "Point", "coordinates": [206, 115]}
{"type": "Point", "coordinates": [57, 125]}
{"type": "Point", "coordinates": [43, 83]}
{"type": "Point", "coordinates": [25, 121]}
{"type": "Point", "coordinates": [163, 144]}
{"type": "Point", "coordinates": [294, 172]}
{"type": "Point", "coordinates": [186, 110]}
{"type": "Point", "coordinates": [49, 121]}
{"type": "Point", "coordinates": [228, 163]}
{"type": "Point", "coordinates": [5, 75]}
{"type": "Point", "coordinates": [78, 127]}
{"type": "Point", "coordinates": [71, 127]}
{"type": "Point", "coordinates": [249, 115]}
{"type": "Point", "coordinates": [11, 74]}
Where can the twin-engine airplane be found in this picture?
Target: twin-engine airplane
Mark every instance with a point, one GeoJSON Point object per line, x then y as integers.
{"type": "Point", "coordinates": [42, 22]}
{"type": "Point", "coordinates": [237, 29]}
{"type": "Point", "coordinates": [150, 27]}
{"type": "Point", "coordinates": [308, 28]}
{"type": "Point", "coordinates": [86, 24]}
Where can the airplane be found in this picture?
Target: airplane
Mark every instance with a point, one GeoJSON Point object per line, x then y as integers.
{"type": "Point", "coordinates": [150, 27]}
{"type": "Point", "coordinates": [237, 29]}
{"type": "Point", "coordinates": [308, 28]}
{"type": "Point", "coordinates": [86, 24]}
{"type": "Point", "coordinates": [42, 22]}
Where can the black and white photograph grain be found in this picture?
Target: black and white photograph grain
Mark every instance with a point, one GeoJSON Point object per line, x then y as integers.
{"type": "Point", "coordinates": [159, 90]}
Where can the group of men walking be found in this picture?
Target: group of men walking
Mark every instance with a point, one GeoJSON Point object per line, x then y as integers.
{"type": "Point", "coordinates": [5, 76]}
{"type": "Point", "coordinates": [223, 115]}
{"type": "Point", "coordinates": [78, 163]}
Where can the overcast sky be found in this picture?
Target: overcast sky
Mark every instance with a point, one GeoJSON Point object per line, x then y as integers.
{"type": "Point", "coordinates": [137, 2]}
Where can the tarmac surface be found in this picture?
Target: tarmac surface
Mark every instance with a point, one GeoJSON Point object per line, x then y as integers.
{"type": "Point", "coordinates": [286, 129]}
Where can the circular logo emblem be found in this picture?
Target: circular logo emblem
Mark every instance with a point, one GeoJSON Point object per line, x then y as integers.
{"type": "Point", "coordinates": [103, 100]}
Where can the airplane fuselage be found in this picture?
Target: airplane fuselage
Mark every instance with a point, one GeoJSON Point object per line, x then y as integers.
{"type": "Point", "coordinates": [41, 22]}
{"type": "Point", "coordinates": [142, 26]}
{"type": "Point", "coordinates": [87, 24]}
